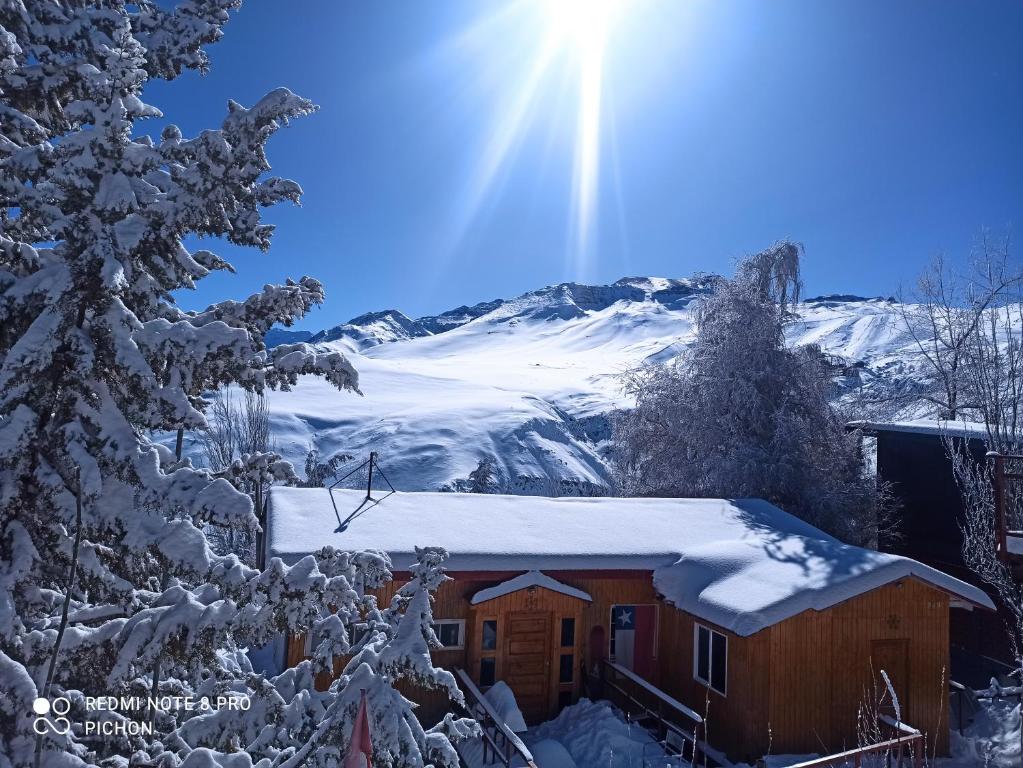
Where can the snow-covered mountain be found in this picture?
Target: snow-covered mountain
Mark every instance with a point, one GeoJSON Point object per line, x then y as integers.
{"type": "Point", "coordinates": [530, 380]}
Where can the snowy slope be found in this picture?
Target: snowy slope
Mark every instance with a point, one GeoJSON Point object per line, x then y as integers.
{"type": "Point", "coordinates": [529, 380]}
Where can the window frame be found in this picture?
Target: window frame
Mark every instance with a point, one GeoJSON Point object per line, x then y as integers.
{"type": "Point", "coordinates": [461, 633]}
{"type": "Point", "coordinates": [483, 635]}
{"type": "Point", "coordinates": [710, 657]}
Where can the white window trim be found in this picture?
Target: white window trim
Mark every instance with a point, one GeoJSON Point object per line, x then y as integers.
{"type": "Point", "coordinates": [710, 657]}
{"type": "Point", "coordinates": [461, 633]}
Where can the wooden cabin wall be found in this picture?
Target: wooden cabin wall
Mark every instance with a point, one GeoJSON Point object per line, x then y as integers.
{"type": "Point", "coordinates": [792, 688]}
{"type": "Point", "coordinates": [607, 591]}
{"type": "Point", "coordinates": [902, 627]}
{"type": "Point", "coordinates": [451, 601]}
{"type": "Point", "coordinates": [796, 687]}
{"type": "Point", "coordinates": [916, 616]}
{"type": "Point", "coordinates": [737, 722]}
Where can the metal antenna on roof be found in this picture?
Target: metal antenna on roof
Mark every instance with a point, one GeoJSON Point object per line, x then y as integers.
{"type": "Point", "coordinates": [367, 502]}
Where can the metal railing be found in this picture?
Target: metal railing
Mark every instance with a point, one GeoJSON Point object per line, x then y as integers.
{"type": "Point", "coordinates": [677, 727]}
{"type": "Point", "coordinates": [904, 750]}
{"type": "Point", "coordinates": [1003, 473]}
{"type": "Point", "coordinates": [499, 740]}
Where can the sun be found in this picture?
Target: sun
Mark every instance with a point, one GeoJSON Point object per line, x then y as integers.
{"type": "Point", "coordinates": [520, 55]}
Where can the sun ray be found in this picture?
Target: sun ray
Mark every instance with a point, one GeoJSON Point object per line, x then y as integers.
{"type": "Point", "coordinates": [512, 64]}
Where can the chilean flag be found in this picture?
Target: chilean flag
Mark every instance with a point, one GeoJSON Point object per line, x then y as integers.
{"type": "Point", "coordinates": [632, 637]}
{"type": "Point", "coordinates": [360, 749]}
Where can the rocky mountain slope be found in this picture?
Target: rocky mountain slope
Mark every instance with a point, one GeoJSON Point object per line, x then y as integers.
{"type": "Point", "coordinates": [529, 381]}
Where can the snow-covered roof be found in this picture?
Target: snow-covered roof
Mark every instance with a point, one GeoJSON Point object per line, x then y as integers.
{"type": "Point", "coordinates": [525, 580]}
{"type": "Point", "coordinates": [938, 427]}
{"type": "Point", "coordinates": [742, 564]}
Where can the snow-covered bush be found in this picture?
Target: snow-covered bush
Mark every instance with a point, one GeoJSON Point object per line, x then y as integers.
{"type": "Point", "coordinates": [739, 414]}
{"type": "Point", "coordinates": [107, 582]}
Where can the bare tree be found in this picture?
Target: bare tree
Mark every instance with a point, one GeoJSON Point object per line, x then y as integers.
{"type": "Point", "coordinates": [254, 434]}
{"type": "Point", "coordinates": [219, 440]}
{"type": "Point", "coordinates": [237, 444]}
{"type": "Point", "coordinates": [945, 314]}
{"type": "Point", "coordinates": [979, 359]}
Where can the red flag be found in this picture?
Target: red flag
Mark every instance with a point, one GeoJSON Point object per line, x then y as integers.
{"type": "Point", "coordinates": [360, 750]}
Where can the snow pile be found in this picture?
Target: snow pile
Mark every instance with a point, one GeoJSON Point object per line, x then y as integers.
{"type": "Point", "coordinates": [992, 739]}
{"type": "Point", "coordinates": [529, 381]}
{"type": "Point", "coordinates": [501, 698]}
{"type": "Point", "coordinates": [594, 734]}
{"type": "Point", "coordinates": [742, 564]}
{"type": "Point", "coordinates": [528, 579]}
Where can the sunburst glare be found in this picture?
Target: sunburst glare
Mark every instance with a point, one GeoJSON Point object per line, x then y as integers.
{"type": "Point", "coordinates": [518, 56]}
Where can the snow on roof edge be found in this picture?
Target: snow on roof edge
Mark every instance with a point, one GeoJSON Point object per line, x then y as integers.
{"type": "Point", "coordinates": [967, 429]}
{"type": "Point", "coordinates": [749, 623]}
{"type": "Point", "coordinates": [524, 581]}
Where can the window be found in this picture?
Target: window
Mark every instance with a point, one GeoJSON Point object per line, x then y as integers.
{"type": "Point", "coordinates": [450, 632]}
{"type": "Point", "coordinates": [567, 633]}
{"type": "Point", "coordinates": [567, 668]}
{"type": "Point", "coordinates": [488, 642]}
{"type": "Point", "coordinates": [710, 658]}
{"type": "Point", "coordinates": [487, 672]}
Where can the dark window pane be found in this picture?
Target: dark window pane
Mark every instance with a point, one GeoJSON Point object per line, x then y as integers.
{"type": "Point", "coordinates": [448, 634]}
{"type": "Point", "coordinates": [567, 633]}
{"type": "Point", "coordinates": [719, 662]}
{"type": "Point", "coordinates": [487, 669]}
{"type": "Point", "coordinates": [567, 668]}
{"type": "Point", "coordinates": [564, 699]}
{"type": "Point", "coordinates": [703, 653]}
{"type": "Point", "coordinates": [489, 641]}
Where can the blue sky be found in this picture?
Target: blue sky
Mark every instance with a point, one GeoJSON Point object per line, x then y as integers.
{"type": "Point", "coordinates": [876, 132]}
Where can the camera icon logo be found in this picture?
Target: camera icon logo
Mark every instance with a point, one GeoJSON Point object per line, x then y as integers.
{"type": "Point", "coordinates": [59, 725]}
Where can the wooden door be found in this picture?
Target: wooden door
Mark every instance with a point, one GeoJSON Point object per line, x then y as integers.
{"type": "Point", "coordinates": [893, 657]}
{"type": "Point", "coordinates": [527, 658]}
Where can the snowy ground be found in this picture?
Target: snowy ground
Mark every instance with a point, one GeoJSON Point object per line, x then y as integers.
{"type": "Point", "coordinates": [992, 740]}
{"type": "Point", "coordinates": [587, 735]}
{"type": "Point", "coordinates": [595, 735]}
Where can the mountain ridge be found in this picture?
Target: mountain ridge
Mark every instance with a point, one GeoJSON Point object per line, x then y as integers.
{"type": "Point", "coordinates": [563, 300]}
{"type": "Point", "coordinates": [530, 381]}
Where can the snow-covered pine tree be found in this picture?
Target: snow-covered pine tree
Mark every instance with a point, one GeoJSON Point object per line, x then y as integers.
{"type": "Point", "coordinates": [482, 479]}
{"type": "Point", "coordinates": [742, 414]}
{"type": "Point", "coordinates": [105, 574]}
{"type": "Point", "coordinates": [394, 645]}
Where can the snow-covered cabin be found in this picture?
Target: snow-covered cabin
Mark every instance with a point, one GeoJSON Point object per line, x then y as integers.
{"type": "Point", "coordinates": [735, 608]}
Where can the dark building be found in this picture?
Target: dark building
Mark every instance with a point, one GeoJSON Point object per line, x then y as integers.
{"type": "Point", "coordinates": [913, 456]}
